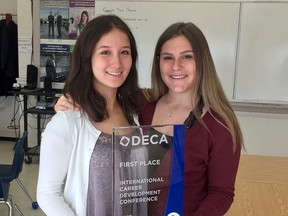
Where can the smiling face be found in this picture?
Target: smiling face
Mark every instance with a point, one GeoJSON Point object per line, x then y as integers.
{"type": "Point", "coordinates": [111, 60]}
{"type": "Point", "coordinates": [177, 64]}
{"type": "Point", "coordinates": [84, 18]}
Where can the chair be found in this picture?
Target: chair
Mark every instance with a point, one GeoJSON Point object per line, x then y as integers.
{"type": "Point", "coordinates": [5, 198]}
{"type": "Point", "coordinates": [9, 172]}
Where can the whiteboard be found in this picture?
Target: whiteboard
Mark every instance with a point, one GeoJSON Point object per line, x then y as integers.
{"type": "Point", "coordinates": [218, 21]}
{"type": "Point", "coordinates": [263, 53]}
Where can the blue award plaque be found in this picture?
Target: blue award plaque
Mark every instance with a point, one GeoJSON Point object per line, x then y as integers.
{"type": "Point", "coordinates": [148, 175]}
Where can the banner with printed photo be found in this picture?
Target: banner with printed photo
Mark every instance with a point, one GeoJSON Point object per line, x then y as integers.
{"type": "Point", "coordinates": [64, 19]}
{"type": "Point", "coordinates": [80, 13]}
{"type": "Point", "coordinates": [55, 61]}
{"type": "Point", "coordinates": [148, 174]}
{"type": "Point", "coordinates": [54, 22]}
{"type": "Point", "coordinates": [61, 22]}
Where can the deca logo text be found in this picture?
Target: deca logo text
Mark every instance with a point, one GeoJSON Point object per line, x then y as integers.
{"type": "Point", "coordinates": [144, 140]}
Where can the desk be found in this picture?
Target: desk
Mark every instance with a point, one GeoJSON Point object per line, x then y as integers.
{"type": "Point", "coordinates": [30, 152]}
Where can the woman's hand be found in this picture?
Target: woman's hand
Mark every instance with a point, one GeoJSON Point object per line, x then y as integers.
{"type": "Point", "coordinates": [65, 103]}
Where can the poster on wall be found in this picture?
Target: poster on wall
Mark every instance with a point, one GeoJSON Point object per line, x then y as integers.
{"type": "Point", "coordinates": [61, 22]}
{"type": "Point", "coordinates": [55, 62]}
{"type": "Point", "coordinates": [54, 19]}
{"type": "Point", "coordinates": [80, 13]}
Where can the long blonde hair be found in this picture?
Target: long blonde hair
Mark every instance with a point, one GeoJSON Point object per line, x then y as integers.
{"type": "Point", "coordinates": [207, 84]}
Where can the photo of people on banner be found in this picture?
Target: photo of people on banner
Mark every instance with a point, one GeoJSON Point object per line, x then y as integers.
{"type": "Point", "coordinates": [54, 22]}
{"type": "Point", "coordinates": [79, 17]}
{"type": "Point", "coordinates": [64, 19]}
{"type": "Point", "coordinates": [55, 62]}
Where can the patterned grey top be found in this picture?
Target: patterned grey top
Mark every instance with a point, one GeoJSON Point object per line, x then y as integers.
{"type": "Point", "coordinates": [99, 197]}
{"type": "Point", "coordinates": [100, 193]}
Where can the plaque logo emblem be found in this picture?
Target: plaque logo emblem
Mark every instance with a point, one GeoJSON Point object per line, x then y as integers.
{"type": "Point", "coordinates": [124, 141]}
{"type": "Point", "coordinates": [144, 140]}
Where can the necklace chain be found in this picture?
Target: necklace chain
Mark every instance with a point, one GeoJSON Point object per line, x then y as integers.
{"type": "Point", "coordinates": [170, 114]}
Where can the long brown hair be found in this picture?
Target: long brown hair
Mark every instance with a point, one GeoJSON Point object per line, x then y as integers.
{"type": "Point", "coordinates": [87, 15]}
{"type": "Point", "coordinates": [207, 84]}
{"type": "Point", "coordinates": [79, 84]}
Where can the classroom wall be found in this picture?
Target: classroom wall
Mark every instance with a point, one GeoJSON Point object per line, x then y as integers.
{"type": "Point", "coordinates": [265, 133]}
{"type": "Point", "coordinates": [8, 6]}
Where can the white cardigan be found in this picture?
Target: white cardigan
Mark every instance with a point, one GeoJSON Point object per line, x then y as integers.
{"type": "Point", "coordinates": [66, 147]}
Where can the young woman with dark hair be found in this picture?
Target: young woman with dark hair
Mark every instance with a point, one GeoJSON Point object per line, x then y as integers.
{"type": "Point", "coordinates": [75, 176]}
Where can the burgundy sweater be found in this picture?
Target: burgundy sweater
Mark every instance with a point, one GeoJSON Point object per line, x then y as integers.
{"type": "Point", "coordinates": [210, 166]}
